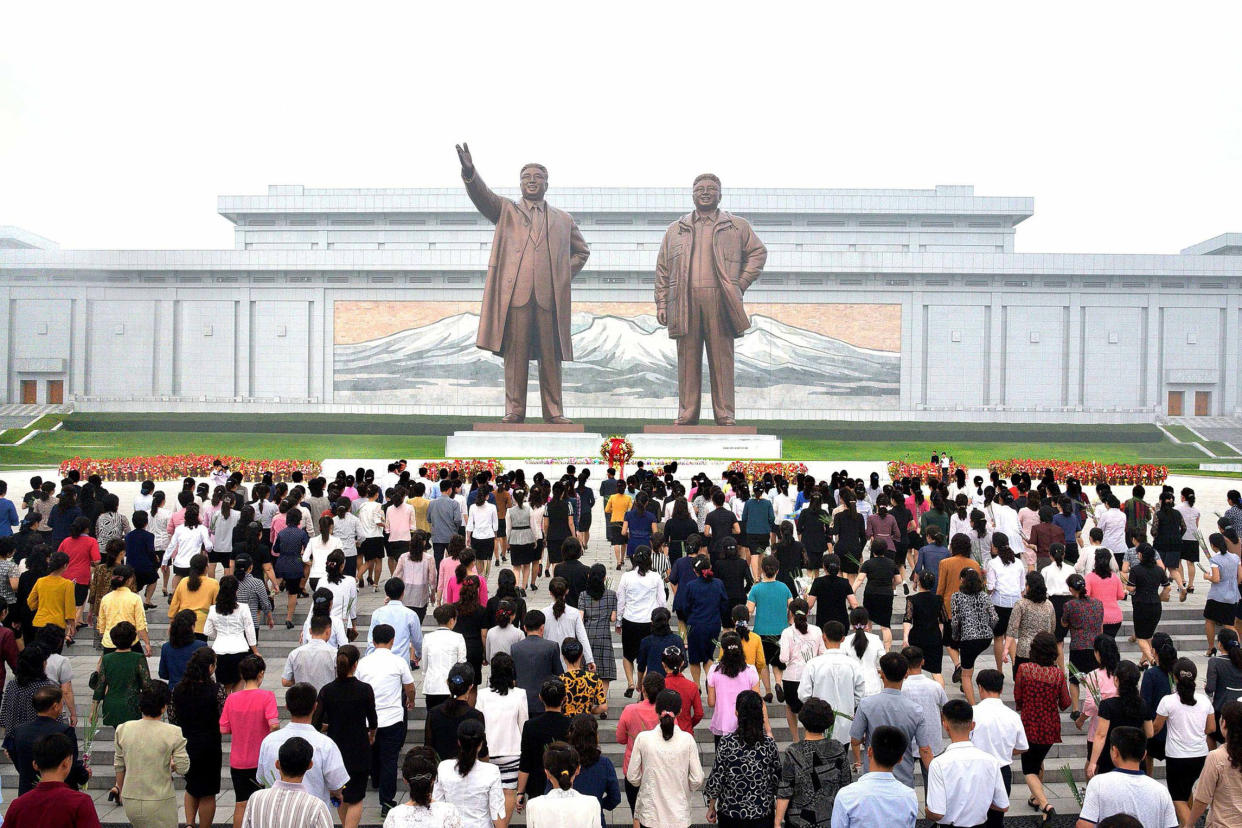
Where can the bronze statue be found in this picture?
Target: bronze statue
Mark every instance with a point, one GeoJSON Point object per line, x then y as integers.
{"type": "Point", "coordinates": [706, 262]}
{"type": "Point", "coordinates": [536, 252]}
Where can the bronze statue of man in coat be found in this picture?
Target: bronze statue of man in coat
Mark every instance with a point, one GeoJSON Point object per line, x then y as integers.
{"type": "Point", "coordinates": [536, 252]}
{"type": "Point", "coordinates": [707, 261]}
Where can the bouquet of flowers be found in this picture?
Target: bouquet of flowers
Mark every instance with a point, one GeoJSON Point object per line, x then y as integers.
{"type": "Point", "coordinates": [88, 740]}
{"type": "Point", "coordinates": [174, 466]}
{"type": "Point", "coordinates": [466, 469]}
{"type": "Point", "coordinates": [753, 470]}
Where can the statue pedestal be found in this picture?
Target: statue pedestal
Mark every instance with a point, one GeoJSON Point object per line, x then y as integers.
{"type": "Point", "coordinates": [508, 440]}
{"type": "Point", "coordinates": [712, 441]}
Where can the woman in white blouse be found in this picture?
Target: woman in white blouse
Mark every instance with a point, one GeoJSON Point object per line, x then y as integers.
{"type": "Point", "coordinates": [865, 648]}
{"type": "Point", "coordinates": [317, 551]}
{"type": "Point", "coordinates": [344, 589]}
{"type": "Point", "coordinates": [482, 523]}
{"type": "Point", "coordinates": [639, 593]}
{"type": "Point", "coordinates": [562, 806]}
{"type": "Point", "coordinates": [505, 711]}
{"type": "Point", "coordinates": [666, 768]}
{"type": "Point", "coordinates": [1006, 578]}
{"type": "Point", "coordinates": [158, 526]}
{"type": "Point", "coordinates": [233, 628]}
{"type": "Point", "coordinates": [472, 785]}
{"type": "Point", "coordinates": [191, 538]}
{"type": "Point", "coordinates": [564, 621]}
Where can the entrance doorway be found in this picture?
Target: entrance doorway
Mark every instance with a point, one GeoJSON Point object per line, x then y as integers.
{"type": "Point", "coordinates": [1203, 403]}
{"type": "Point", "coordinates": [1176, 403]}
{"type": "Point", "coordinates": [30, 392]}
{"type": "Point", "coordinates": [55, 392]}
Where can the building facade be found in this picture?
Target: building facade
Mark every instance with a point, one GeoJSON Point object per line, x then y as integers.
{"type": "Point", "coordinates": [874, 304]}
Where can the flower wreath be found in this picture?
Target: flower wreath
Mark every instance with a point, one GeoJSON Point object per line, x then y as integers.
{"type": "Point", "coordinates": [616, 451]}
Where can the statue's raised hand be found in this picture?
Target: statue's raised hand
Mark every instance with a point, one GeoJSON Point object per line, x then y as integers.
{"type": "Point", "coordinates": [467, 163]}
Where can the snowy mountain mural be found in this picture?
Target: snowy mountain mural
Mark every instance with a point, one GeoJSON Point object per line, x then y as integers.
{"type": "Point", "coordinates": [619, 361]}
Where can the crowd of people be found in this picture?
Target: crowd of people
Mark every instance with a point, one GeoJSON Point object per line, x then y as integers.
{"type": "Point", "coordinates": [732, 595]}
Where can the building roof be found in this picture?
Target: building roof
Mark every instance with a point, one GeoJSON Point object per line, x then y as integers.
{"type": "Point", "coordinates": [15, 238]}
{"type": "Point", "coordinates": [1226, 244]}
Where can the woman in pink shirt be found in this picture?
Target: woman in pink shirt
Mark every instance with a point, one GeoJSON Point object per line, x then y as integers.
{"type": "Point", "coordinates": [635, 719]}
{"type": "Point", "coordinates": [399, 518]}
{"type": "Point", "coordinates": [729, 677]}
{"type": "Point", "coordinates": [1105, 586]}
{"type": "Point", "coordinates": [464, 569]}
{"type": "Point", "coordinates": [83, 552]}
{"type": "Point", "coordinates": [448, 565]}
{"type": "Point", "coordinates": [249, 714]}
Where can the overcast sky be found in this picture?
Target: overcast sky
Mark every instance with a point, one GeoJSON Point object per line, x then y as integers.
{"type": "Point", "coordinates": [121, 123]}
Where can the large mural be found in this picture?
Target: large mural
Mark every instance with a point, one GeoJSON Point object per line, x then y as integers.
{"type": "Point", "coordinates": [795, 356]}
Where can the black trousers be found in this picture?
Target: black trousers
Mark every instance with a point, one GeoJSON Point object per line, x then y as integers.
{"type": "Point", "coordinates": [437, 549]}
{"type": "Point", "coordinates": [385, 756]}
{"type": "Point", "coordinates": [996, 819]}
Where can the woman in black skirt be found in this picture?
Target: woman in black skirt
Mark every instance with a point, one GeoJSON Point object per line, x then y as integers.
{"type": "Point", "coordinates": [1149, 586]}
{"type": "Point", "coordinates": [850, 531]}
{"type": "Point", "coordinates": [923, 620]}
{"type": "Point", "coordinates": [812, 528]}
{"type": "Point", "coordinates": [1167, 528]}
{"type": "Point", "coordinates": [198, 701]}
{"type": "Point", "coordinates": [882, 576]}
{"type": "Point", "coordinates": [346, 709]}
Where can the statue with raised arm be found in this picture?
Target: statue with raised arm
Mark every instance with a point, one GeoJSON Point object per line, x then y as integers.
{"type": "Point", "coordinates": [707, 261]}
{"type": "Point", "coordinates": [536, 252]}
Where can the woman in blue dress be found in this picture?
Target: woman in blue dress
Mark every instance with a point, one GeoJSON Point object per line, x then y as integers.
{"type": "Point", "coordinates": [704, 604]}
{"type": "Point", "coordinates": [637, 524]}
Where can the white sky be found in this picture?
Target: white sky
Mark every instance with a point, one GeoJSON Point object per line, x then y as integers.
{"type": "Point", "coordinates": [121, 123]}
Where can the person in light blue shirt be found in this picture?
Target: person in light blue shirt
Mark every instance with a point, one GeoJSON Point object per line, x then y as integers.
{"type": "Point", "coordinates": [403, 620]}
{"type": "Point", "coordinates": [877, 799]}
{"type": "Point", "coordinates": [932, 554]}
{"type": "Point", "coordinates": [8, 512]}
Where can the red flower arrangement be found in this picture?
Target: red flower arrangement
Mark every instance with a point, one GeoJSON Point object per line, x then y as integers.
{"type": "Point", "coordinates": [466, 469]}
{"type": "Point", "coordinates": [1087, 472]}
{"type": "Point", "coordinates": [756, 470]}
{"type": "Point", "coordinates": [173, 466]}
{"type": "Point", "coordinates": [922, 472]}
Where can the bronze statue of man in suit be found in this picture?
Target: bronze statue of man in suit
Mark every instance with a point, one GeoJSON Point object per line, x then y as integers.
{"type": "Point", "coordinates": [706, 262]}
{"type": "Point", "coordinates": [536, 252]}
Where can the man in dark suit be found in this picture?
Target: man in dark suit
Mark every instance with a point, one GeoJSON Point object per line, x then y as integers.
{"type": "Point", "coordinates": [535, 660]}
{"type": "Point", "coordinates": [19, 744]}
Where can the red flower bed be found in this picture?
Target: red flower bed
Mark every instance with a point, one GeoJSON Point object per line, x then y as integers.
{"type": "Point", "coordinates": [173, 466]}
{"type": "Point", "coordinates": [755, 471]}
{"type": "Point", "coordinates": [465, 469]}
{"type": "Point", "coordinates": [922, 472]}
{"type": "Point", "coordinates": [1087, 472]}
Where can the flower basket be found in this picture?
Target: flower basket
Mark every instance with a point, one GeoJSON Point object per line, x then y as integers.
{"type": "Point", "coordinates": [173, 466]}
{"type": "Point", "coordinates": [753, 470]}
{"type": "Point", "coordinates": [1087, 472]}
{"type": "Point", "coordinates": [616, 451]}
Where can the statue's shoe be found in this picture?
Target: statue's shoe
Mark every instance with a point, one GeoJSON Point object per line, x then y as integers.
{"type": "Point", "coordinates": [560, 421]}
{"type": "Point", "coordinates": [513, 418]}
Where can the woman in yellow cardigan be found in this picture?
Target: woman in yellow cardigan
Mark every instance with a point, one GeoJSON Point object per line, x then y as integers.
{"type": "Point", "coordinates": [196, 592]}
{"type": "Point", "coordinates": [122, 603]}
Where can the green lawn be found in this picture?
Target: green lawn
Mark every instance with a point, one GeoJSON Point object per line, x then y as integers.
{"type": "Point", "coordinates": [317, 436]}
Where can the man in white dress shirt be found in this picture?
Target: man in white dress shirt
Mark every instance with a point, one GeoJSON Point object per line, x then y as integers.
{"type": "Point", "coordinates": [834, 676]}
{"type": "Point", "coordinates": [393, 684]}
{"type": "Point", "coordinates": [925, 692]}
{"type": "Point", "coordinates": [327, 776]}
{"type": "Point", "coordinates": [998, 730]}
{"type": "Point", "coordinates": [313, 663]}
{"type": "Point", "coordinates": [964, 782]}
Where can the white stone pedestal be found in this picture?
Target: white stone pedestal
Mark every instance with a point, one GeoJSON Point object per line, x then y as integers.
{"type": "Point", "coordinates": [510, 444]}
{"type": "Point", "coordinates": [715, 446]}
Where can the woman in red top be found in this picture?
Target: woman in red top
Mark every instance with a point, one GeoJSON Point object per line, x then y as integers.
{"type": "Point", "coordinates": [1040, 694]}
{"type": "Point", "coordinates": [83, 552]}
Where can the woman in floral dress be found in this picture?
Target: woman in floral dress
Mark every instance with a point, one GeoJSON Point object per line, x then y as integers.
{"type": "Point", "coordinates": [598, 604]}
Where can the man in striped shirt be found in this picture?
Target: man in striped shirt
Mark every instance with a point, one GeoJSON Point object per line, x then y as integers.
{"type": "Point", "coordinates": [287, 804]}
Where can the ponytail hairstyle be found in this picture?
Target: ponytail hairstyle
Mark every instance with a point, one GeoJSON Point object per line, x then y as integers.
{"type": "Point", "coordinates": [749, 708]}
{"type": "Point", "coordinates": [470, 736]}
{"type": "Point", "coordinates": [335, 566]}
{"type": "Point", "coordinates": [668, 705]}
{"type": "Point", "coordinates": [419, 771]}
{"type": "Point", "coordinates": [346, 660]}
{"type": "Point", "coordinates": [851, 505]}
{"type": "Point", "coordinates": [1057, 551]}
{"type": "Point", "coordinates": [456, 545]}
{"type": "Point", "coordinates": [191, 515]}
{"type": "Point", "coordinates": [741, 621]}
{"type": "Point", "coordinates": [1166, 652]}
{"type": "Point", "coordinates": [597, 581]}
{"type": "Point", "coordinates": [1147, 554]}
{"type": "Point", "coordinates": [1186, 672]}
{"type": "Point", "coordinates": [732, 659]}
{"type": "Point", "coordinates": [418, 545]}
{"type": "Point", "coordinates": [121, 575]}
{"type": "Point", "coordinates": [226, 505]}
{"type": "Point", "coordinates": [468, 597]}
{"type": "Point", "coordinates": [198, 568]}
{"type": "Point", "coordinates": [1188, 495]}
{"type": "Point", "coordinates": [1000, 545]}
{"type": "Point", "coordinates": [787, 534]}
{"type": "Point", "coordinates": [859, 619]}
{"type": "Point", "coordinates": [321, 602]}
{"type": "Point", "coordinates": [831, 564]}
{"type": "Point", "coordinates": [562, 763]}
{"type": "Point", "coordinates": [702, 567]}
{"type": "Point", "coordinates": [559, 588]}
{"type": "Point", "coordinates": [1230, 646]}
{"type": "Point", "coordinates": [881, 505]}
{"type": "Point", "coordinates": [465, 559]}
{"type": "Point", "coordinates": [963, 502]}
{"type": "Point", "coordinates": [798, 609]}
{"type": "Point", "coordinates": [504, 674]}
{"type": "Point", "coordinates": [461, 679]}
{"type": "Point", "coordinates": [1107, 654]}
{"type": "Point", "coordinates": [642, 560]}
{"type": "Point", "coordinates": [325, 528]}
{"type": "Point", "coordinates": [342, 506]}
{"type": "Point", "coordinates": [584, 737]}
{"type": "Point", "coordinates": [226, 598]}
{"type": "Point", "coordinates": [1132, 704]}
